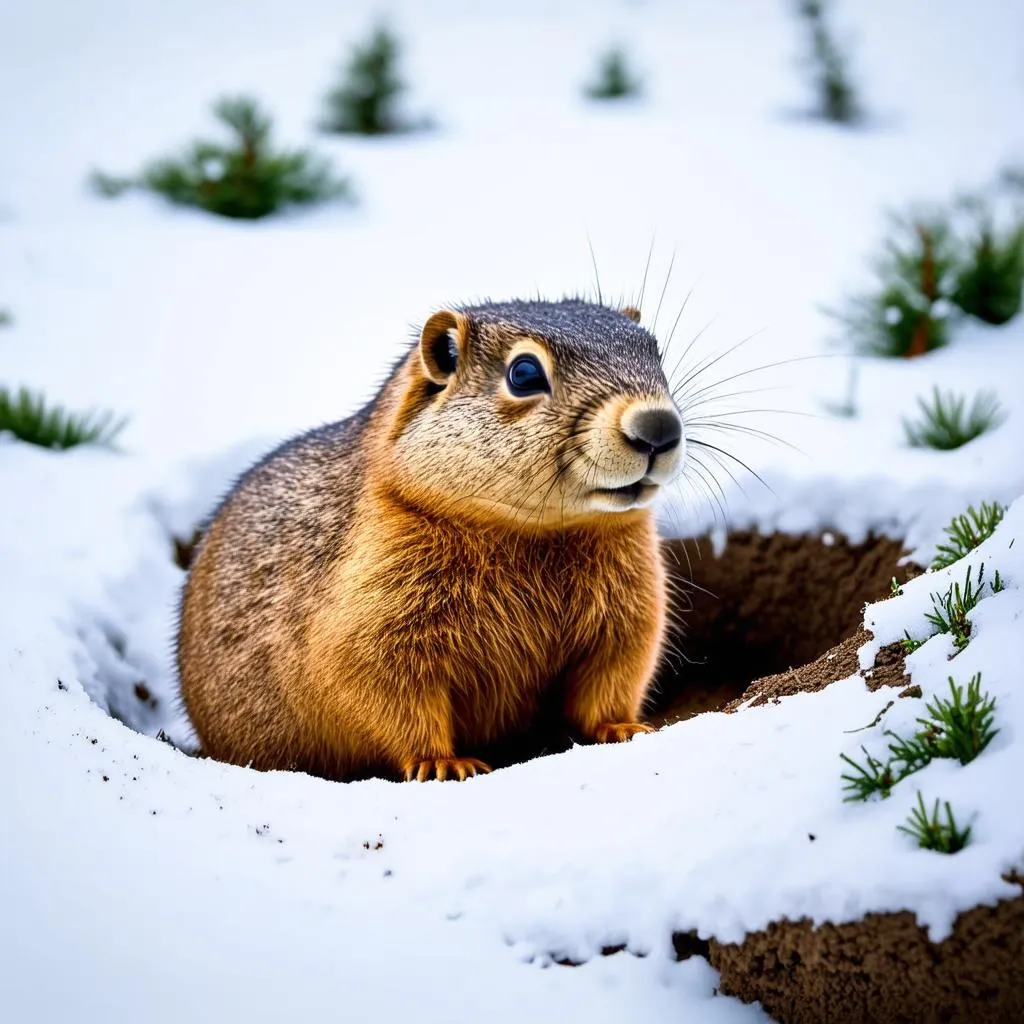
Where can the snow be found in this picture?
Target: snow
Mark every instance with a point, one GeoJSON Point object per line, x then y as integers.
{"type": "Point", "coordinates": [137, 880]}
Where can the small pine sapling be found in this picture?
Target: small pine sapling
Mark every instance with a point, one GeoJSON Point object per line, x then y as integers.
{"type": "Point", "coordinates": [868, 779]}
{"type": "Point", "coordinates": [27, 416]}
{"type": "Point", "coordinates": [930, 833]}
{"type": "Point", "coordinates": [990, 281]}
{"type": "Point", "coordinates": [947, 422]}
{"type": "Point", "coordinates": [966, 532]}
{"type": "Point", "coordinates": [365, 102]}
{"type": "Point", "coordinates": [962, 726]}
{"type": "Point", "coordinates": [614, 79]}
{"type": "Point", "coordinates": [951, 611]}
{"type": "Point", "coordinates": [835, 95]}
{"type": "Point", "coordinates": [246, 179]}
{"type": "Point", "coordinates": [908, 313]}
{"type": "Point", "coordinates": [110, 186]}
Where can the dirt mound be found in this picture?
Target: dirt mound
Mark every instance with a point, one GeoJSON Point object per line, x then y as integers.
{"type": "Point", "coordinates": [883, 969]}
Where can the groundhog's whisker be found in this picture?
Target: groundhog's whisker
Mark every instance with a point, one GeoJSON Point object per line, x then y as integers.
{"type": "Point", "coordinates": [672, 332]}
{"type": "Point", "coordinates": [735, 458]}
{"type": "Point", "coordinates": [661, 297]}
{"type": "Point", "coordinates": [647, 269]}
{"type": "Point", "coordinates": [689, 347]}
{"type": "Point", "coordinates": [725, 468]}
{"type": "Point", "coordinates": [681, 396]}
{"type": "Point", "coordinates": [742, 428]}
{"type": "Point", "coordinates": [690, 405]}
{"type": "Point", "coordinates": [695, 474]}
{"type": "Point", "coordinates": [703, 466]}
{"type": "Point", "coordinates": [712, 360]}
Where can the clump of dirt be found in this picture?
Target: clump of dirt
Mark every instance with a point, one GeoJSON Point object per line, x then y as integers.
{"type": "Point", "coordinates": [768, 611]}
{"type": "Point", "coordinates": [838, 663]}
{"type": "Point", "coordinates": [883, 969]}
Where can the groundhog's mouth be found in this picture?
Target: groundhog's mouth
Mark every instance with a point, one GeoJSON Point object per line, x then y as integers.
{"type": "Point", "coordinates": [638, 493]}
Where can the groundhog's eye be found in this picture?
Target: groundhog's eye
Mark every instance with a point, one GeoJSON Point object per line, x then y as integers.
{"type": "Point", "coordinates": [525, 376]}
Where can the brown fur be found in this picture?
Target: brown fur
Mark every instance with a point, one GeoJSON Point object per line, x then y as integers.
{"type": "Point", "coordinates": [392, 592]}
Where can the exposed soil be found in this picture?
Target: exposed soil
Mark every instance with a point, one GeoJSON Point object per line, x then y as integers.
{"type": "Point", "coordinates": [883, 969]}
{"type": "Point", "coordinates": [766, 610]}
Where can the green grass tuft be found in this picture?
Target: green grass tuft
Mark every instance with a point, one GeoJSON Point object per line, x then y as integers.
{"type": "Point", "coordinates": [828, 66]}
{"type": "Point", "coordinates": [110, 186]}
{"type": "Point", "coordinates": [937, 265]}
{"type": "Point", "coordinates": [869, 779]}
{"type": "Point", "coordinates": [959, 727]}
{"type": "Point", "coordinates": [908, 312]}
{"type": "Point", "coordinates": [931, 833]}
{"type": "Point", "coordinates": [990, 284]}
{"type": "Point", "coordinates": [614, 79]}
{"type": "Point", "coordinates": [245, 179]}
{"type": "Point", "coordinates": [27, 416]}
{"type": "Point", "coordinates": [951, 611]}
{"type": "Point", "coordinates": [966, 532]}
{"type": "Point", "coordinates": [365, 102]}
{"type": "Point", "coordinates": [946, 422]}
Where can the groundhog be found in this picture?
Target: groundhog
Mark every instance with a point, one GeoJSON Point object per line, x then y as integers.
{"type": "Point", "coordinates": [397, 590]}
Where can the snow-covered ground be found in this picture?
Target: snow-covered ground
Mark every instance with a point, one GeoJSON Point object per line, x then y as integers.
{"type": "Point", "coordinates": [138, 883]}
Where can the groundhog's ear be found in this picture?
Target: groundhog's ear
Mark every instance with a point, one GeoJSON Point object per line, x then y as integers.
{"type": "Point", "coordinates": [633, 313]}
{"type": "Point", "coordinates": [442, 344]}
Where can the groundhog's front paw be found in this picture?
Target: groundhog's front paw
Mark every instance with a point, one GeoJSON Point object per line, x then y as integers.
{"type": "Point", "coordinates": [442, 768]}
{"type": "Point", "coordinates": [619, 732]}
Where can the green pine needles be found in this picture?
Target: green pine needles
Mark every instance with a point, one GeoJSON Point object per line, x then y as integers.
{"type": "Point", "coordinates": [29, 418]}
{"type": "Point", "coordinates": [836, 97]}
{"type": "Point", "coordinates": [966, 532]}
{"type": "Point", "coordinates": [5, 318]}
{"type": "Point", "coordinates": [931, 833]}
{"type": "Point", "coordinates": [908, 313]}
{"type": "Point", "coordinates": [365, 102]}
{"type": "Point", "coordinates": [990, 283]}
{"type": "Point", "coordinates": [937, 266]}
{"type": "Point", "coordinates": [244, 179]}
{"type": "Point", "coordinates": [947, 422]}
{"type": "Point", "coordinates": [951, 611]}
{"type": "Point", "coordinates": [959, 727]}
{"type": "Point", "coordinates": [866, 780]}
{"type": "Point", "coordinates": [614, 79]}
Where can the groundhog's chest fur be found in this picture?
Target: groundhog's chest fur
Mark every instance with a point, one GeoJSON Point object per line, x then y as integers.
{"type": "Point", "coordinates": [494, 618]}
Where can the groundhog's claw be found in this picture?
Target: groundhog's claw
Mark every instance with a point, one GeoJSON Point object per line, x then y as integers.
{"type": "Point", "coordinates": [619, 732]}
{"type": "Point", "coordinates": [442, 768]}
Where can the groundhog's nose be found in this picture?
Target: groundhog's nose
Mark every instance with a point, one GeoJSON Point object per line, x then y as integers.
{"type": "Point", "coordinates": [653, 431]}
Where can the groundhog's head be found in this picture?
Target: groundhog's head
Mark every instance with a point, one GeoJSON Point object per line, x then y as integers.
{"type": "Point", "coordinates": [541, 413]}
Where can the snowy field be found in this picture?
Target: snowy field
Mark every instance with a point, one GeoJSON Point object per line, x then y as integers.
{"type": "Point", "coordinates": [137, 883]}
